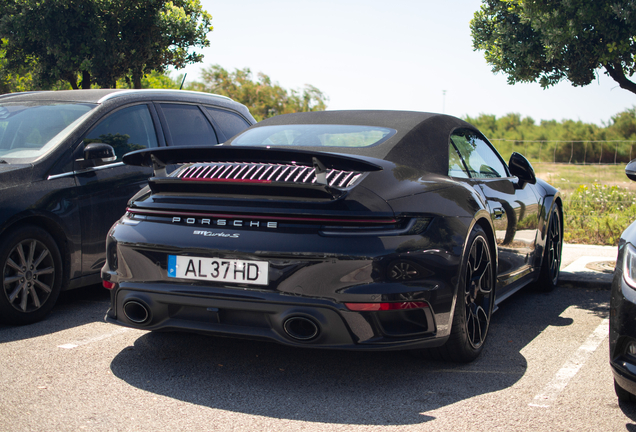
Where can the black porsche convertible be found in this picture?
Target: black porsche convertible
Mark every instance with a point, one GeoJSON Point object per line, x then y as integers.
{"type": "Point", "coordinates": [372, 230]}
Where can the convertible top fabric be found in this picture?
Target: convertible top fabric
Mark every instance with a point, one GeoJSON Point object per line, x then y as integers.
{"type": "Point", "coordinates": [421, 140]}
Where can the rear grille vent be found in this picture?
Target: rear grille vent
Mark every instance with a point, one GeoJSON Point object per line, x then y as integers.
{"type": "Point", "coordinates": [262, 172]}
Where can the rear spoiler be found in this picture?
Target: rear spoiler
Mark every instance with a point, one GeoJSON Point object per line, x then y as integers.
{"type": "Point", "coordinates": [159, 158]}
{"type": "Point", "coordinates": [323, 164]}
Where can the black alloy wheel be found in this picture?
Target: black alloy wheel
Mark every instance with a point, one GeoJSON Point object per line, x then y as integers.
{"type": "Point", "coordinates": [31, 275]}
{"type": "Point", "coordinates": [478, 292]}
{"type": "Point", "coordinates": [551, 266]}
{"type": "Point", "coordinates": [473, 305]}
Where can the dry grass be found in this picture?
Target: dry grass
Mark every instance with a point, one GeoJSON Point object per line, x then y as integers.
{"type": "Point", "coordinates": [569, 177]}
{"type": "Point", "coordinates": [599, 200]}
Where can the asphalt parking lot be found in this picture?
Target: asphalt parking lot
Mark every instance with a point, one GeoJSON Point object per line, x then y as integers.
{"type": "Point", "coordinates": [545, 367]}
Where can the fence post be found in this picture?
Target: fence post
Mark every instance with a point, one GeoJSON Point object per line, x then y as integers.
{"type": "Point", "coordinates": [615, 153]}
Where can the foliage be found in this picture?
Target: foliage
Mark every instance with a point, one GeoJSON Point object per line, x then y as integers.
{"type": "Point", "coordinates": [153, 80]}
{"type": "Point", "coordinates": [598, 214]}
{"type": "Point", "coordinates": [21, 79]}
{"type": "Point", "coordinates": [13, 81]}
{"type": "Point", "coordinates": [100, 40]}
{"type": "Point", "coordinates": [549, 41]}
{"type": "Point", "coordinates": [263, 97]}
{"type": "Point", "coordinates": [564, 141]}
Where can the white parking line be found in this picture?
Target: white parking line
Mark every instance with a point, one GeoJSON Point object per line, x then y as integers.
{"type": "Point", "coordinates": [94, 339]}
{"type": "Point", "coordinates": [571, 367]}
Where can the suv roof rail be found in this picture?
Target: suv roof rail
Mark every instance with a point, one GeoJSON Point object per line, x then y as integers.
{"type": "Point", "coordinates": [20, 93]}
{"type": "Point", "coordinates": [128, 91]}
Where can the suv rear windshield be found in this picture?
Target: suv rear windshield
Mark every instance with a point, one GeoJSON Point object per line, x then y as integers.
{"type": "Point", "coordinates": [29, 130]}
{"type": "Point", "coordinates": [314, 136]}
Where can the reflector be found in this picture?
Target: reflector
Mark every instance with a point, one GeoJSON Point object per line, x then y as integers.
{"type": "Point", "coordinates": [360, 307]}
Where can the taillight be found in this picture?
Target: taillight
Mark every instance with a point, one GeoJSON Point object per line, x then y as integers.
{"type": "Point", "coordinates": [364, 307]}
{"type": "Point", "coordinates": [108, 284]}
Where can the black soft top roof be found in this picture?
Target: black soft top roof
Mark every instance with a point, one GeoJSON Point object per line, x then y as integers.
{"type": "Point", "coordinates": [421, 140]}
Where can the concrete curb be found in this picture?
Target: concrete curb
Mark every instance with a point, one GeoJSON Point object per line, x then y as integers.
{"type": "Point", "coordinates": [595, 280]}
{"type": "Point", "coordinates": [580, 263]}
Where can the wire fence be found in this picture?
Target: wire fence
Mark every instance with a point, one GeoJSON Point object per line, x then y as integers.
{"type": "Point", "coordinates": [570, 152]}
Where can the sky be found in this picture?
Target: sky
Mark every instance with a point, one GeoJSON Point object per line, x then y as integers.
{"type": "Point", "coordinates": [397, 55]}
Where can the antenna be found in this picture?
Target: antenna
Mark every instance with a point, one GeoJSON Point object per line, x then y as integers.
{"type": "Point", "coordinates": [443, 101]}
{"type": "Point", "coordinates": [183, 80]}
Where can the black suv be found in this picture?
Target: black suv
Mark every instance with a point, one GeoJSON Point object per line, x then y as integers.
{"type": "Point", "coordinates": [63, 185]}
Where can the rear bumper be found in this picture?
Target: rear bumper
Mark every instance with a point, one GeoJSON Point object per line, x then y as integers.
{"type": "Point", "coordinates": [311, 278]}
{"type": "Point", "coordinates": [269, 316]}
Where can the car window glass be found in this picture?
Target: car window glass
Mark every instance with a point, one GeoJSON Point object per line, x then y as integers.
{"type": "Point", "coordinates": [230, 123]}
{"type": "Point", "coordinates": [30, 129]}
{"type": "Point", "coordinates": [126, 130]}
{"type": "Point", "coordinates": [188, 126]}
{"type": "Point", "coordinates": [315, 135]}
{"type": "Point", "coordinates": [481, 159]}
{"type": "Point", "coordinates": [456, 167]}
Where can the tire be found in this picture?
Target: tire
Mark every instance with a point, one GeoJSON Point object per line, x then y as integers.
{"type": "Point", "coordinates": [622, 394]}
{"type": "Point", "coordinates": [31, 275]}
{"type": "Point", "coordinates": [473, 305]}
{"type": "Point", "coordinates": [551, 263]}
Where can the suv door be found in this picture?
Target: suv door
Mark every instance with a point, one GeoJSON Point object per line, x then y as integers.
{"type": "Point", "coordinates": [104, 190]}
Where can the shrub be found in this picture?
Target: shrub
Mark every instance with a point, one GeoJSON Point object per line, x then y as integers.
{"type": "Point", "coordinates": [598, 214]}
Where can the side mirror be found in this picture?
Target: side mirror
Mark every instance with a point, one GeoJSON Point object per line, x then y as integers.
{"type": "Point", "coordinates": [522, 169]}
{"type": "Point", "coordinates": [99, 152]}
{"type": "Point", "coordinates": [630, 170]}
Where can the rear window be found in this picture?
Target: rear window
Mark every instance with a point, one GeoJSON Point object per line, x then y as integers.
{"type": "Point", "coordinates": [315, 136]}
{"type": "Point", "coordinates": [230, 123]}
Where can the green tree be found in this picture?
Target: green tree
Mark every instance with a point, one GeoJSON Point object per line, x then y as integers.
{"type": "Point", "coordinates": [154, 80]}
{"type": "Point", "coordinates": [262, 97]}
{"type": "Point", "coordinates": [101, 41]}
{"type": "Point", "coordinates": [623, 125]}
{"type": "Point", "coordinates": [12, 81]}
{"type": "Point", "coordinates": [549, 41]}
{"type": "Point", "coordinates": [21, 79]}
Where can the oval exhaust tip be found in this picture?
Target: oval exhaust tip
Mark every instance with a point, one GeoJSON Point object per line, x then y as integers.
{"type": "Point", "coordinates": [301, 328]}
{"type": "Point", "coordinates": [136, 312]}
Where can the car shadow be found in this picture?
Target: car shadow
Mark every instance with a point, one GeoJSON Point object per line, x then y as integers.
{"type": "Point", "coordinates": [73, 309]}
{"type": "Point", "coordinates": [629, 410]}
{"type": "Point", "coordinates": [341, 387]}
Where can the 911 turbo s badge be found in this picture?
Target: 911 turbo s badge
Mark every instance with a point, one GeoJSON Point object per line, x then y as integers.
{"type": "Point", "coordinates": [225, 222]}
{"type": "Point", "coordinates": [215, 234]}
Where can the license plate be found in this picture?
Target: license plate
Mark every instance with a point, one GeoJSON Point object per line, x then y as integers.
{"type": "Point", "coordinates": [218, 269]}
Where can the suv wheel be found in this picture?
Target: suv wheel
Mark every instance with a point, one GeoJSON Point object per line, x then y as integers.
{"type": "Point", "coordinates": [31, 275]}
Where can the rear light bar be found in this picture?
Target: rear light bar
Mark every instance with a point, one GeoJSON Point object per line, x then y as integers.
{"type": "Point", "coordinates": [365, 307]}
{"type": "Point", "coordinates": [267, 217]}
